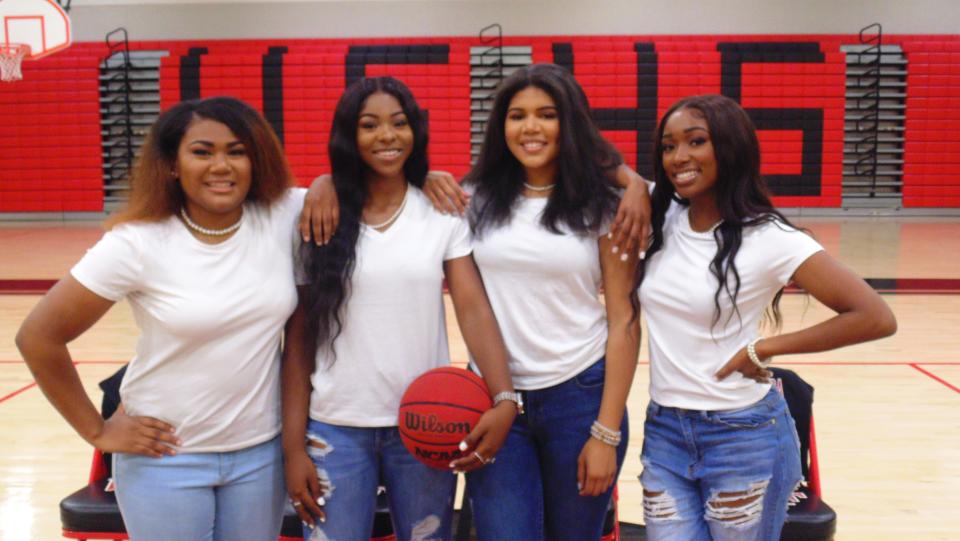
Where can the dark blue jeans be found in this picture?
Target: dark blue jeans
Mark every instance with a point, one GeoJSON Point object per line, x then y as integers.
{"type": "Point", "coordinates": [530, 493]}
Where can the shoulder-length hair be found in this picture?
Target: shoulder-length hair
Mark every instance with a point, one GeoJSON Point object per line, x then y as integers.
{"type": "Point", "coordinates": [156, 193]}
{"type": "Point", "coordinates": [584, 196]}
{"type": "Point", "coordinates": [329, 267]}
{"type": "Point", "coordinates": [741, 192]}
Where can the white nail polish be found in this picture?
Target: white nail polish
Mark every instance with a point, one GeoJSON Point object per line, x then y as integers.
{"type": "Point", "coordinates": [623, 257]}
{"type": "Point", "coordinates": [463, 445]}
{"type": "Point", "coordinates": [321, 501]}
{"type": "Point", "coordinates": [616, 249]}
{"type": "Point", "coordinates": [610, 235]}
{"type": "Point", "coordinates": [643, 255]}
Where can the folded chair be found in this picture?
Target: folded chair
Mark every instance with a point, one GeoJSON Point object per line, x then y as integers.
{"type": "Point", "coordinates": [809, 518]}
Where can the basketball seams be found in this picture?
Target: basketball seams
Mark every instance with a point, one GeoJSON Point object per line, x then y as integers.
{"type": "Point", "coordinates": [447, 404]}
{"type": "Point", "coordinates": [458, 372]}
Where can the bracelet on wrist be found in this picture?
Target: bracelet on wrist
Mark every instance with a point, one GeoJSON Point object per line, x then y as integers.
{"type": "Point", "coordinates": [605, 435]}
{"type": "Point", "coordinates": [752, 354]}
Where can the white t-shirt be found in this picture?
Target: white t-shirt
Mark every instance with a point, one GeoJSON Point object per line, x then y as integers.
{"type": "Point", "coordinates": [394, 327]}
{"type": "Point", "coordinates": [211, 318]}
{"type": "Point", "coordinates": [544, 289]}
{"type": "Point", "coordinates": [686, 350]}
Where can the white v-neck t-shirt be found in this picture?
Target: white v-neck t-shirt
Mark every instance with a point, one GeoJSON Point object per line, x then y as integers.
{"type": "Point", "coordinates": [394, 327]}
{"type": "Point", "coordinates": [211, 319]}
{"type": "Point", "coordinates": [686, 348]}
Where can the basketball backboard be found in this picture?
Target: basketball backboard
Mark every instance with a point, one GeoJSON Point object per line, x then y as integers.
{"type": "Point", "coordinates": [42, 25]}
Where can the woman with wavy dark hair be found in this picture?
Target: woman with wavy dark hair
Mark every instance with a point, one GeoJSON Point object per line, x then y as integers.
{"type": "Point", "coordinates": [720, 452]}
{"type": "Point", "coordinates": [370, 320]}
{"type": "Point", "coordinates": [544, 197]}
{"type": "Point", "coordinates": [204, 256]}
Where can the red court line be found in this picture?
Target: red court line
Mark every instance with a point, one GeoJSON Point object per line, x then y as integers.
{"type": "Point", "coordinates": [936, 378]}
{"type": "Point", "coordinates": [18, 391]}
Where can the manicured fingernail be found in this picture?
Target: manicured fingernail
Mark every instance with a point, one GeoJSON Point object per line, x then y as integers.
{"type": "Point", "coordinates": [610, 235]}
{"type": "Point", "coordinates": [306, 238]}
{"type": "Point", "coordinates": [463, 445]}
{"type": "Point", "coordinates": [643, 254]}
{"type": "Point", "coordinates": [623, 257]}
{"type": "Point", "coordinates": [579, 487]}
{"type": "Point", "coordinates": [616, 249]}
{"type": "Point", "coordinates": [451, 465]}
{"type": "Point", "coordinates": [321, 501]}
{"type": "Point", "coordinates": [323, 518]}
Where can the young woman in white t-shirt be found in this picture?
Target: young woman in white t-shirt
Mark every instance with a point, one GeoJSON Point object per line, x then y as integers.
{"type": "Point", "coordinates": [370, 320]}
{"type": "Point", "coordinates": [544, 197]}
{"type": "Point", "coordinates": [720, 452]}
{"type": "Point", "coordinates": [203, 254]}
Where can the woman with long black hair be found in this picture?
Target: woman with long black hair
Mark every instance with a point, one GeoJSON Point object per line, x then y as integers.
{"type": "Point", "coordinates": [544, 198]}
{"type": "Point", "coordinates": [720, 452]}
{"type": "Point", "coordinates": [370, 320]}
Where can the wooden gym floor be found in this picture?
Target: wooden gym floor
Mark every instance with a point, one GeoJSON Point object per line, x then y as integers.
{"type": "Point", "coordinates": [887, 413]}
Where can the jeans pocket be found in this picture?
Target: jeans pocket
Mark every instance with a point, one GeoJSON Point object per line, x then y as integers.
{"type": "Point", "coordinates": [593, 377]}
{"type": "Point", "coordinates": [756, 416]}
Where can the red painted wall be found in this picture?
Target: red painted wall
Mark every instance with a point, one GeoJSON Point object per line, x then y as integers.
{"type": "Point", "coordinates": [793, 86]}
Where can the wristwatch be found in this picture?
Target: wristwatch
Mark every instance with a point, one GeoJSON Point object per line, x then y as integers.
{"type": "Point", "coordinates": [514, 397]}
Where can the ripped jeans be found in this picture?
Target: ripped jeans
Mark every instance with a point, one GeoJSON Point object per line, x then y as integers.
{"type": "Point", "coordinates": [719, 475]}
{"type": "Point", "coordinates": [352, 462]}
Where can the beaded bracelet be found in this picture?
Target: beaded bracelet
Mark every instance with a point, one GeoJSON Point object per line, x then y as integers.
{"type": "Point", "coordinates": [605, 435]}
{"type": "Point", "coordinates": [752, 353]}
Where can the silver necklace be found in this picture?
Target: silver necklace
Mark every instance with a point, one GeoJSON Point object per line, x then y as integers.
{"type": "Point", "coordinates": [212, 232]}
{"type": "Point", "coordinates": [533, 188]}
{"type": "Point", "coordinates": [392, 217]}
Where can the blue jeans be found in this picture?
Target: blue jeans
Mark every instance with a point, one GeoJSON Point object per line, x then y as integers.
{"type": "Point", "coordinates": [719, 475]}
{"type": "Point", "coordinates": [353, 462]}
{"type": "Point", "coordinates": [530, 493]}
{"type": "Point", "coordinates": [202, 496]}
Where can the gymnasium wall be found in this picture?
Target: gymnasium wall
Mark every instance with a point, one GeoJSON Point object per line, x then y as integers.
{"type": "Point", "coordinates": [793, 86]}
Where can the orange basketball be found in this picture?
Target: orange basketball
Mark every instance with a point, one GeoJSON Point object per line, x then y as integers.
{"type": "Point", "coordinates": [437, 412]}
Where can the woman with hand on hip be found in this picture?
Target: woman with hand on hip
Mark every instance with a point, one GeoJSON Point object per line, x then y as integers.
{"type": "Point", "coordinates": [720, 451]}
{"type": "Point", "coordinates": [370, 320]}
{"type": "Point", "coordinates": [203, 254]}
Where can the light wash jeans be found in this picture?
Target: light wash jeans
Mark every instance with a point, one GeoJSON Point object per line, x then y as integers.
{"type": "Point", "coordinates": [353, 462]}
{"type": "Point", "coordinates": [719, 475]}
{"type": "Point", "coordinates": [530, 493]}
{"type": "Point", "coordinates": [202, 496]}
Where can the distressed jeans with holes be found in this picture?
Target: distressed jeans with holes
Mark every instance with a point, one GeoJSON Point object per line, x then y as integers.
{"type": "Point", "coordinates": [353, 461]}
{"type": "Point", "coordinates": [719, 475]}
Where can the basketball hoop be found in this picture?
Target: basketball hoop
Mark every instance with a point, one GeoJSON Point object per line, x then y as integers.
{"type": "Point", "coordinates": [11, 56]}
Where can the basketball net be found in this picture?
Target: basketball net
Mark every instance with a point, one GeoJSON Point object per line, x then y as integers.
{"type": "Point", "coordinates": [11, 56]}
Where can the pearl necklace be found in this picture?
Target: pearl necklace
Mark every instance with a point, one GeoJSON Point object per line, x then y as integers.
{"type": "Point", "coordinates": [211, 232]}
{"type": "Point", "coordinates": [392, 217]}
{"type": "Point", "coordinates": [533, 188]}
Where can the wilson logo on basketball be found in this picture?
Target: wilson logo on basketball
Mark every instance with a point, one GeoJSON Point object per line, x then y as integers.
{"type": "Point", "coordinates": [430, 423]}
